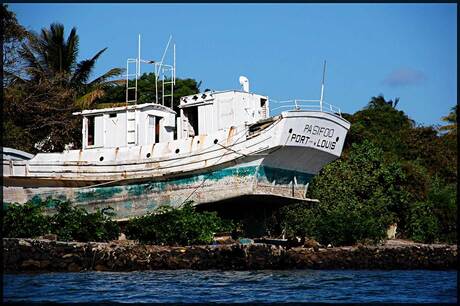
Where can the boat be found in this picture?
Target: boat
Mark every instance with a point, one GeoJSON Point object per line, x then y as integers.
{"type": "Point", "coordinates": [220, 146]}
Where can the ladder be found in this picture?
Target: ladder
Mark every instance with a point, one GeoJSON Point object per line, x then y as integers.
{"type": "Point", "coordinates": [161, 70]}
{"type": "Point", "coordinates": [167, 82]}
{"type": "Point", "coordinates": [131, 127]}
{"type": "Point", "coordinates": [131, 116]}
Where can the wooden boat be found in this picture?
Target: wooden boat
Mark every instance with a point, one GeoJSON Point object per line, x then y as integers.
{"type": "Point", "coordinates": [221, 145]}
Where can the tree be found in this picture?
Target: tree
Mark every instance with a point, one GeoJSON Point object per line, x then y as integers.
{"type": "Point", "coordinates": [146, 91]}
{"type": "Point", "coordinates": [451, 120]}
{"type": "Point", "coordinates": [52, 84]}
{"type": "Point", "coordinates": [49, 55]}
{"type": "Point", "coordinates": [382, 124]}
{"type": "Point", "coordinates": [359, 197]}
{"type": "Point", "coordinates": [13, 35]}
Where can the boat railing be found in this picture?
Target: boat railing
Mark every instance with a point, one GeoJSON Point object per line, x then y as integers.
{"type": "Point", "coordinates": [306, 105]}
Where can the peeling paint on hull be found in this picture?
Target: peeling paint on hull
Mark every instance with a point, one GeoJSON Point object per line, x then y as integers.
{"type": "Point", "coordinates": [138, 199]}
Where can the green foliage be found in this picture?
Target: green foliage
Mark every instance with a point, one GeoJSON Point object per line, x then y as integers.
{"type": "Point", "coordinates": [359, 198]}
{"type": "Point", "coordinates": [68, 223]}
{"type": "Point", "coordinates": [146, 90]}
{"type": "Point", "coordinates": [176, 226]}
{"type": "Point", "coordinates": [423, 152]}
{"type": "Point", "coordinates": [424, 226]}
{"type": "Point", "coordinates": [381, 123]}
{"type": "Point", "coordinates": [45, 84]}
{"type": "Point", "coordinates": [24, 221]}
{"type": "Point", "coordinates": [298, 220]}
{"type": "Point", "coordinates": [435, 219]}
{"type": "Point", "coordinates": [75, 223]}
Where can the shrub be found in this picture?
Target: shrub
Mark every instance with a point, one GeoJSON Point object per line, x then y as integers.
{"type": "Point", "coordinates": [24, 220]}
{"type": "Point", "coordinates": [359, 198]}
{"type": "Point", "coordinates": [176, 226]}
{"type": "Point", "coordinates": [297, 220]}
{"type": "Point", "coordinates": [75, 223]}
{"type": "Point", "coordinates": [435, 219]}
{"type": "Point", "coordinates": [68, 223]}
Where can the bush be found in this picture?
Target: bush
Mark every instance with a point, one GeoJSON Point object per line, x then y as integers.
{"type": "Point", "coordinates": [68, 223]}
{"type": "Point", "coordinates": [297, 220]}
{"type": "Point", "coordinates": [24, 221]}
{"type": "Point", "coordinates": [176, 226]}
{"type": "Point", "coordinates": [75, 223]}
{"type": "Point", "coordinates": [435, 219]}
{"type": "Point", "coordinates": [359, 198]}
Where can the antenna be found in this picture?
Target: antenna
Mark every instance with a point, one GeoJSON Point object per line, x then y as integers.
{"type": "Point", "coordinates": [174, 63]}
{"type": "Point", "coordinates": [322, 87]}
{"type": "Point", "coordinates": [164, 53]}
{"type": "Point", "coordinates": [139, 55]}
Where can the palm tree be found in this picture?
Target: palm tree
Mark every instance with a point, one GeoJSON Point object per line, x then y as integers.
{"type": "Point", "coordinates": [379, 101]}
{"type": "Point", "coordinates": [451, 121]}
{"type": "Point", "coordinates": [49, 56]}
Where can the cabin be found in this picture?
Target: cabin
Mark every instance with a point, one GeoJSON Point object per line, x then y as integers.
{"type": "Point", "coordinates": [150, 123]}
{"type": "Point", "coordinates": [132, 125]}
{"type": "Point", "coordinates": [208, 112]}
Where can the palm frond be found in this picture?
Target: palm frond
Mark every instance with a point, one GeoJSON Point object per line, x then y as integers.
{"type": "Point", "coordinates": [72, 49]}
{"type": "Point", "coordinates": [84, 69]}
{"type": "Point", "coordinates": [106, 76]}
{"type": "Point", "coordinates": [86, 100]}
{"type": "Point", "coordinates": [33, 64]}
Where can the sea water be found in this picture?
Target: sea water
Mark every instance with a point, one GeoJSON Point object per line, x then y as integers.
{"type": "Point", "coordinates": [187, 286]}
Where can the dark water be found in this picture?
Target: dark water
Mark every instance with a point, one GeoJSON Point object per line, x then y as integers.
{"type": "Point", "coordinates": [330, 286]}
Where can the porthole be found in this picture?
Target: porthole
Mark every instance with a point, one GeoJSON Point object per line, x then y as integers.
{"type": "Point", "coordinates": [290, 131]}
{"type": "Point", "coordinates": [337, 139]}
{"type": "Point", "coordinates": [148, 155]}
{"type": "Point", "coordinates": [177, 151]}
{"type": "Point", "coordinates": [101, 158]}
{"type": "Point", "coordinates": [215, 141]}
{"type": "Point", "coordinates": [198, 141]}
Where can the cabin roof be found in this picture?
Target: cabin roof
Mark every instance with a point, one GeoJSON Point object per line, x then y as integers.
{"type": "Point", "coordinates": [124, 108]}
{"type": "Point", "coordinates": [207, 97]}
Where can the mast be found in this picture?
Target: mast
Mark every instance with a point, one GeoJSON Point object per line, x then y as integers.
{"type": "Point", "coordinates": [322, 87]}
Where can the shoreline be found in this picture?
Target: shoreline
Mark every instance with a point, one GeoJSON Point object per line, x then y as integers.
{"type": "Point", "coordinates": [40, 255]}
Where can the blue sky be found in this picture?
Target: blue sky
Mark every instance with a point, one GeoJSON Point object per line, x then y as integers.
{"type": "Point", "coordinates": [398, 50]}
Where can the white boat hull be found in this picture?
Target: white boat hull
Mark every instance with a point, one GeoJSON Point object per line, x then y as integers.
{"type": "Point", "coordinates": [274, 158]}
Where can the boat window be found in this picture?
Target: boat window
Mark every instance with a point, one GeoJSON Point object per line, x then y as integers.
{"type": "Point", "coordinates": [90, 130]}
{"type": "Point", "coordinates": [112, 115]}
{"type": "Point", "coordinates": [191, 113]}
{"type": "Point", "coordinates": [154, 127]}
{"type": "Point", "coordinates": [263, 105]}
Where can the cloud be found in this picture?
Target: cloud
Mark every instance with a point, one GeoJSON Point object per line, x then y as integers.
{"type": "Point", "coordinates": [404, 77]}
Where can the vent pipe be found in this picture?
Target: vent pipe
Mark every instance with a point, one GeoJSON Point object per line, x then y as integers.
{"type": "Point", "coordinates": [244, 82]}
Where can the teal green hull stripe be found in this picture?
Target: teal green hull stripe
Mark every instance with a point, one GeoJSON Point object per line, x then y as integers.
{"type": "Point", "coordinates": [263, 174]}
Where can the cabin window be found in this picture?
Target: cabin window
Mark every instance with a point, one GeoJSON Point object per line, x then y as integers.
{"type": "Point", "coordinates": [191, 113]}
{"type": "Point", "coordinates": [90, 131]}
{"type": "Point", "coordinates": [113, 115]}
{"type": "Point", "coordinates": [154, 128]}
{"type": "Point", "coordinates": [263, 106]}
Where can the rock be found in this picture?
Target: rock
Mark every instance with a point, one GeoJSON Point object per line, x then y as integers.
{"type": "Point", "coordinates": [73, 267]}
{"type": "Point", "coordinates": [224, 240]}
{"type": "Point", "coordinates": [99, 267]}
{"type": "Point", "coordinates": [311, 243]}
{"type": "Point", "coordinates": [67, 255]}
{"type": "Point", "coordinates": [44, 264]}
{"type": "Point", "coordinates": [52, 237]}
{"type": "Point", "coordinates": [24, 243]}
{"type": "Point", "coordinates": [122, 237]}
{"type": "Point", "coordinates": [30, 263]}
